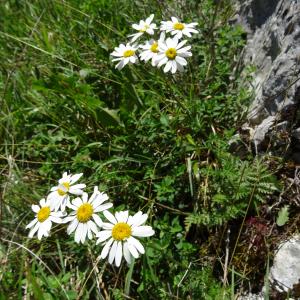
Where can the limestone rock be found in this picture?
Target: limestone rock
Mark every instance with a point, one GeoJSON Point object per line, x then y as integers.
{"type": "Point", "coordinates": [285, 271]}
{"type": "Point", "coordinates": [273, 47]}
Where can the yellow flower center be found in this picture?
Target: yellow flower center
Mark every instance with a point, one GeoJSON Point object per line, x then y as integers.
{"type": "Point", "coordinates": [171, 53]}
{"type": "Point", "coordinates": [178, 26]}
{"type": "Point", "coordinates": [144, 29]}
{"type": "Point", "coordinates": [128, 53]}
{"type": "Point", "coordinates": [43, 214]}
{"type": "Point", "coordinates": [84, 212]}
{"type": "Point", "coordinates": [121, 231]}
{"type": "Point", "coordinates": [154, 47]}
{"type": "Point", "coordinates": [62, 192]}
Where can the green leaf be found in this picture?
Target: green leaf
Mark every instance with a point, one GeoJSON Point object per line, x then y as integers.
{"type": "Point", "coordinates": [37, 291]}
{"type": "Point", "coordinates": [128, 278]}
{"type": "Point", "coordinates": [283, 216]}
{"type": "Point", "coordinates": [108, 117]}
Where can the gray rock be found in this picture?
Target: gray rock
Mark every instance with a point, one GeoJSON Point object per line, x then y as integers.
{"type": "Point", "coordinates": [251, 296]}
{"type": "Point", "coordinates": [296, 134]}
{"type": "Point", "coordinates": [273, 47]}
{"type": "Point", "coordinates": [285, 271]}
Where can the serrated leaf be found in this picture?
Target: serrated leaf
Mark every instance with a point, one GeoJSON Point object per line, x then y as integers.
{"type": "Point", "coordinates": [283, 216]}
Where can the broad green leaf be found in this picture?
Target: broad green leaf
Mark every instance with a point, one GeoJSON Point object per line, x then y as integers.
{"type": "Point", "coordinates": [283, 216]}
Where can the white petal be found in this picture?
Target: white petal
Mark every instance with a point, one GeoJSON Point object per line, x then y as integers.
{"type": "Point", "coordinates": [162, 62]}
{"type": "Point", "coordinates": [103, 207]}
{"type": "Point", "coordinates": [186, 32]}
{"type": "Point", "coordinates": [112, 252]}
{"type": "Point", "coordinates": [105, 249]}
{"type": "Point", "coordinates": [170, 43]}
{"type": "Point", "coordinates": [168, 66]}
{"type": "Point", "coordinates": [180, 67]}
{"type": "Point", "coordinates": [42, 202]}
{"type": "Point", "coordinates": [34, 229]}
{"type": "Point", "coordinates": [72, 226]}
{"type": "Point", "coordinates": [153, 61]}
{"type": "Point", "coordinates": [35, 208]}
{"type": "Point", "coordinates": [181, 60]}
{"type": "Point", "coordinates": [162, 47]}
{"type": "Point", "coordinates": [122, 216]}
{"type": "Point", "coordinates": [78, 232]}
{"type": "Point", "coordinates": [174, 20]}
{"type": "Point", "coordinates": [135, 218]}
{"type": "Point", "coordinates": [119, 254]}
{"type": "Point", "coordinates": [107, 225]}
{"type": "Point", "coordinates": [149, 19]}
{"type": "Point", "coordinates": [133, 250]}
{"type": "Point", "coordinates": [99, 199]}
{"type": "Point", "coordinates": [77, 202]}
{"type": "Point", "coordinates": [98, 220]}
{"type": "Point", "coordinates": [84, 233]}
{"type": "Point", "coordinates": [120, 65]}
{"type": "Point", "coordinates": [135, 26]}
{"type": "Point", "coordinates": [63, 188]}
{"type": "Point", "coordinates": [140, 220]}
{"type": "Point", "coordinates": [142, 231]}
{"type": "Point", "coordinates": [117, 54]}
{"type": "Point", "coordinates": [95, 194]}
{"type": "Point", "coordinates": [136, 36]}
{"type": "Point", "coordinates": [137, 244]}
{"type": "Point", "coordinates": [118, 59]}
{"type": "Point", "coordinates": [192, 30]}
{"type": "Point", "coordinates": [47, 226]}
{"type": "Point", "coordinates": [92, 226]}
{"type": "Point", "coordinates": [90, 235]}
{"type": "Point", "coordinates": [33, 222]}
{"type": "Point", "coordinates": [181, 44]}
{"type": "Point", "coordinates": [174, 66]}
{"type": "Point", "coordinates": [69, 219]}
{"type": "Point", "coordinates": [103, 235]}
{"type": "Point", "coordinates": [183, 50]}
{"type": "Point", "coordinates": [84, 197]}
{"type": "Point", "coordinates": [109, 216]}
{"type": "Point", "coordinates": [79, 186]}
{"type": "Point", "coordinates": [65, 201]}
{"type": "Point", "coordinates": [75, 178]}
{"type": "Point", "coordinates": [55, 219]}
{"type": "Point", "coordinates": [126, 253]}
{"type": "Point", "coordinates": [41, 232]}
{"type": "Point", "coordinates": [65, 175]}
{"type": "Point", "coordinates": [132, 59]}
{"type": "Point", "coordinates": [58, 214]}
{"type": "Point", "coordinates": [178, 34]}
{"type": "Point", "coordinates": [150, 31]}
{"type": "Point", "coordinates": [76, 192]}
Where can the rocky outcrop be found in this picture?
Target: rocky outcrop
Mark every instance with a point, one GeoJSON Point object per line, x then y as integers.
{"type": "Point", "coordinates": [285, 272]}
{"type": "Point", "coordinates": [273, 48]}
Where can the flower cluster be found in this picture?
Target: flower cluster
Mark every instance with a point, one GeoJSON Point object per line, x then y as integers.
{"type": "Point", "coordinates": [168, 51]}
{"type": "Point", "coordinates": [117, 236]}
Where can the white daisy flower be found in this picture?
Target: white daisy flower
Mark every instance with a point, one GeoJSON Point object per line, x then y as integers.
{"type": "Point", "coordinates": [84, 219]}
{"type": "Point", "coordinates": [125, 54]}
{"type": "Point", "coordinates": [177, 28]}
{"type": "Point", "coordinates": [43, 221]}
{"type": "Point", "coordinates": [59, 197]}
{"type": "Point", "coordinates": [143, 27]}
{"type": "Point", "coordinates": [172, 55]}
{"type": "Point", "coordinates": [120, 235]}
{"type": "Point", "coordinates": [151, 50]}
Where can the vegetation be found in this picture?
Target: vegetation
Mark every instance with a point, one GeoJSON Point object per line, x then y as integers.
{"type": "Point", "coordinates": [150, 140]}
